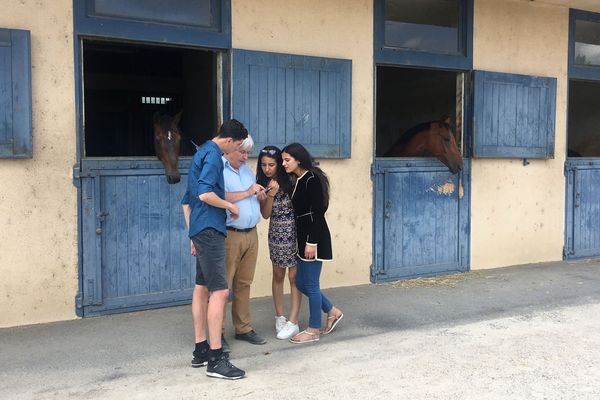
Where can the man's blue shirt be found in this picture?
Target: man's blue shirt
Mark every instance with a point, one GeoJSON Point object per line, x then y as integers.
{"type": "Point", "coordinates": [238, 181]}
{"type": "Point", "coordinates": [206, 175]}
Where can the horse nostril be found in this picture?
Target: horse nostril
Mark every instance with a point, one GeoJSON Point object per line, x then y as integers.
{"type": "Point", "coordinates": [173, 179]}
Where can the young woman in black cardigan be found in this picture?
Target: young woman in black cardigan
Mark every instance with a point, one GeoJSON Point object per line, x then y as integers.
{"type": "Point", "coordinates": [310, 199]}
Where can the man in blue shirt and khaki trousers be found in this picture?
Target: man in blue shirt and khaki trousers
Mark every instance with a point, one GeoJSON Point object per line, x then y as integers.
{"type": "Point", "coordinates": [204, 208]}
{"type": "Point", "coordinates": [241, 244]}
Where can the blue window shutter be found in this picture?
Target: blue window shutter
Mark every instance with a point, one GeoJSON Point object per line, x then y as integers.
{"type": "Point", "coordinates": [15, 94]}
{"type": "Point", "coordinates": [513, 115]}
{"type": "Point", "coordinates": [283, 98]}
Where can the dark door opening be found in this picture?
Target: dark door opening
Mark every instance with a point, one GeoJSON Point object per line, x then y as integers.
{"type": "Point", "coordinates": [125, 84]}
{"type": "Point", "coordinates": [421, 207]}
{"type": "Point", "coordinates": [407, 97]}
{"type": "Point", "coordinates": [584, 119]}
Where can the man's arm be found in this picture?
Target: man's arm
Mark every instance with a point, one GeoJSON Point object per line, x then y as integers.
{"type": "Point", "coordinates": [234, 197]}
{"type": "Point", "coordinates": [212, 199]}
{"type": "Point", "coordinates": [211, 172]}
{"type": "Point", "coordinates": [186, 214]}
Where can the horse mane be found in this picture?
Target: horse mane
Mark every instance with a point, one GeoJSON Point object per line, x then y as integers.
{"type": "Point", "coordinates": [412, 132]}
{"type": "Point", "coordinates": [410, 144]}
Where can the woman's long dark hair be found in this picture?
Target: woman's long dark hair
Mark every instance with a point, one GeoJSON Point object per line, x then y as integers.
{"type": "Point", "coordinates": [285, 185]}
{"type": "Point", "coordinates": [306, 162]}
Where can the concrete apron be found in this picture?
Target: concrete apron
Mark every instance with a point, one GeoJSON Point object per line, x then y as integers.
{"type": "Point", "coordinates": [521, 332]}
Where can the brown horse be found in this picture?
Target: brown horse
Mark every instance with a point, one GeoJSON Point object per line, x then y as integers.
{"type": "Point", "coordinates": [430, 139]}
{"type": "Point", "coordinates": [167, 138]}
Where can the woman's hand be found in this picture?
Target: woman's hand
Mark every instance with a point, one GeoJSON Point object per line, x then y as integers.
{"type": "Point", "coordinates": [274, 188]}
{"type": "Point", "coordinates": [310, 251]}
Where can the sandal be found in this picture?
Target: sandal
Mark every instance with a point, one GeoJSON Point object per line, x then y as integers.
{"type": "Point", "coordinates": [312, 337]}
{"type": "Point", "coordinates": [335, 319]}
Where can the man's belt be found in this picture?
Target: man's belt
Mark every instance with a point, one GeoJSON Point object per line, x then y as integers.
{"type": "Point", "coordinates": [245, 230]}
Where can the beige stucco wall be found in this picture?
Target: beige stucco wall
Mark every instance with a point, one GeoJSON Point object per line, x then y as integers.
{"type": "Point", "coordinates": [339, 29]}
{"type": "Point", "coordinates": [518, 211]}
{"type": "Point", "coordinates": [38, 220]}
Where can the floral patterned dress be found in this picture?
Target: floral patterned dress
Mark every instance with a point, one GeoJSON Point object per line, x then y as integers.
{"type": "Point", "coordinates": [282, 232]}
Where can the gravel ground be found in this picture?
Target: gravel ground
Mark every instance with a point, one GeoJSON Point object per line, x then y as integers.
{"type": "Point", "coordinates": [512, 333]}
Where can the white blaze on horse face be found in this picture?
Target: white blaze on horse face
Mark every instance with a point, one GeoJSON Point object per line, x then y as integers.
{"type": "Point", "coordinates": [169, 136]}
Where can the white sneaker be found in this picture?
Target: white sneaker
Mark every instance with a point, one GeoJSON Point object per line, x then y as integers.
{"type": "Point", "coordinates": [290, 329]}
{"type": "Point", "coordinates": [280, 323]}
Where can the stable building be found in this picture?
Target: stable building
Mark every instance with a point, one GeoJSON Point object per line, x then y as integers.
{"type": "Point", "coordinates": [90, 226]}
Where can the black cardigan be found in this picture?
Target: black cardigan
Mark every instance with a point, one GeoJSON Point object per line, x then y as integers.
{"type": "Point", "coordinates": [311, 226]}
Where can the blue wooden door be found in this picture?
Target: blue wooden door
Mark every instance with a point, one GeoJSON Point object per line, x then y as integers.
{"type": "Point", "coordinates": [421, 214]}
{"type": "Point", "coordinates": [513, 115]}
{"type": "Point", "coordinates": [582, 225]}
{"type": "Point", "coordinates": [135, 248]}
{"type": "Point", "coordinates": [285, 98]}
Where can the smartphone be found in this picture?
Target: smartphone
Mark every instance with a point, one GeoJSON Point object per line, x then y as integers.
{"type": "Point", "coordinates": [268, 188]}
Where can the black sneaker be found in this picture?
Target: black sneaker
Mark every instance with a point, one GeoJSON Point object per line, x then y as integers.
{"type": "Point", "coordinates": [250, 337]}
{"type": "Point", "coordinates": [200, 358]}
{"type": "Point", "coordinates": [220, 367]}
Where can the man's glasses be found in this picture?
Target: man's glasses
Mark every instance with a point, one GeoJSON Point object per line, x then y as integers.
{"type": "Point", "coordinates": [269, 151]}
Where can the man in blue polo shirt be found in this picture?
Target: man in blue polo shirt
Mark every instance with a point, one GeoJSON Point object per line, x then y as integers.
{"type": "Point", "coordinates": [241, 244]}
{"type": "Point", "coordinates": [204, 208]}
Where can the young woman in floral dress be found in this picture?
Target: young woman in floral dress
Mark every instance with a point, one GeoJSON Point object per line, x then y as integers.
{"type": "Point", "coordinates": [282, 236]}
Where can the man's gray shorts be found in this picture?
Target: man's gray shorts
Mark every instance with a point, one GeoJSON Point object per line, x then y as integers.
{"type": "Point", "coordinates": [210, 259]}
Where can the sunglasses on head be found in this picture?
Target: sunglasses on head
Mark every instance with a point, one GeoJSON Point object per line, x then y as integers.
{"type": "Point", "coordinates": [269, 151]}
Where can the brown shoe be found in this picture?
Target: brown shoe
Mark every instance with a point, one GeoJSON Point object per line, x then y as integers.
{"type": "Point", "coordinates": [308, 337]}
{"type": "Point", "coordinates": [332, 321]}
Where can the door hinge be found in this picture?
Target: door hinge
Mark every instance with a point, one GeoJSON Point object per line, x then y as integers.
{"type": "Point", "coordinates": [76, 177]}
{"type": "Point", "coordinates": [78, 301]}
{"type": "Point", "coordinates": [567, 251]}
{"type": "Point", "coordinates": [78, 174]}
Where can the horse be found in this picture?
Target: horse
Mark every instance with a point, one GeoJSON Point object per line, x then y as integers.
{"type": "Point", "coordinates": [167, 140]}
{"type": "Point", "coordinates": [434, 138]}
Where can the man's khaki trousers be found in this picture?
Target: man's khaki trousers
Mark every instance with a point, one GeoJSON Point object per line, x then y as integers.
{"type": "Point", "coordinates": [241, 252]}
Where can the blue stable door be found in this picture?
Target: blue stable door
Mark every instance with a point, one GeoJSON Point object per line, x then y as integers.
{"type": "Point", "coordinates": [582, 225]}
{"type": "Point", "coordinates": [421, 219]}
{"type": "Point", "coordinates": [135, 249]}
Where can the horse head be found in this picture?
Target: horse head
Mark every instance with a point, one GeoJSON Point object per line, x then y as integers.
{"type": "Point", "coordinates": [167, 138]}
{"type": "Point", "coordinates": [430, 139]}
{"type": "Point", "coordinates": [442, 145]}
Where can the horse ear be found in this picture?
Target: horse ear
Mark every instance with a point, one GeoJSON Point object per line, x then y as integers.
{"type": "Point", "coordinates": [177, 118]}
{"type": "Point", "coordinates": [446, 119]}
{"type": "Point", "coordinates": [156, 118]}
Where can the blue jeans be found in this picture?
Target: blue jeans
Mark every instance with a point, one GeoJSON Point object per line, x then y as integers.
{"type": "Point", "coordinates": [308, 276]}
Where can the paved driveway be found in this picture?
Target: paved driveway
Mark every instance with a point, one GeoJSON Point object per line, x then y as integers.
{"type": "Point", "coordinates": [527, 332]}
